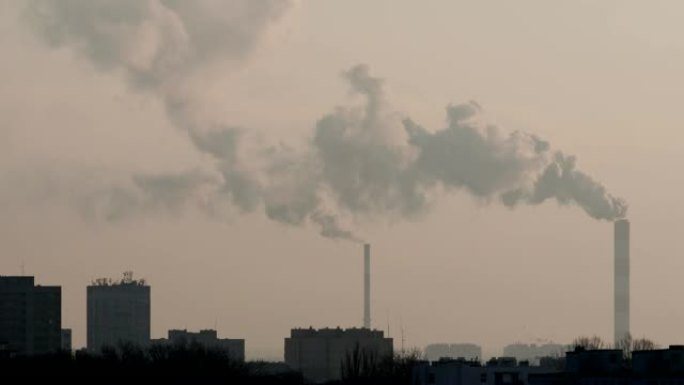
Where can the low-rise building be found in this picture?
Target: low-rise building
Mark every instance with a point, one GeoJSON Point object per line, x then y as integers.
{"type": "Point", "coordinates": [659, 364]}
{"type": "Point", "coordinates": [595, 367]}
{"type": "Point", "coordinates": [322, 354]}
{"type": "Point", "coordinates": [497, 371]}
{"type": "Point", "coordinates": [207, 338]}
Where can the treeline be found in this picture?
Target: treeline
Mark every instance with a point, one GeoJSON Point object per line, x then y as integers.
{"type": "Point", "coordinates": [132, 364]}
{"type": "Point", "coordinates": [191, 364]}
{"type": "Point", "coordinates": [360, 367]}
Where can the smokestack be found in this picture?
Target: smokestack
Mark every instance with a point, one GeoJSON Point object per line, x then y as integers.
{"type": "Point", "coordinates": [366, 286]}
{"type": "Point", "coordinates": [621, 279]}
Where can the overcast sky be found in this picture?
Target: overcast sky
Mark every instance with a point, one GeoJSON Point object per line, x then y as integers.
{"type": "Point", "coordinates": [80, 118]}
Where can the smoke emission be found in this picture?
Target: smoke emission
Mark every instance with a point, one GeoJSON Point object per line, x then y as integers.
{"type": "Point", "coordinates": [362, 159]}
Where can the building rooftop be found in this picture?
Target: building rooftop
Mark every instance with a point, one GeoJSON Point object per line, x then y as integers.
{"type": "Point", "coordinates": [335, 333]}
{"type": "Point", "coordinates": [127, 280]}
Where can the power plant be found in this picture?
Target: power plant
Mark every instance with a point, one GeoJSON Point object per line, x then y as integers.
{"type": "Point", "coordinates": [621, 280]}
{"type": "Point", "coordinates": [366, 287]}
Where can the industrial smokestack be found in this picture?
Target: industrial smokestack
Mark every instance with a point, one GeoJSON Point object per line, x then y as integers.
{"type": "Point", "coordinates": [366, 286]}
{"type": "Point", "coordinates": [621, 279]}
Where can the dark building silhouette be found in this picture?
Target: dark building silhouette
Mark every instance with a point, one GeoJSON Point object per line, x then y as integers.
{"type": "Point", "coordinates": [663, 366]}
{"type": "Point", "coordinates": [659, 364]}
{"type": "Point", "coordinates": [621, 279]}
{"type": "Point", "coordinates": [434, 352]}
{"type": "Point", "coordinates": [118, 312]}
{"type": "Point", "coordinates": [30, 316]}
{"type": "Point", "coordinates": [599, 361]}
{"type": "Point", "coordinates": [497, 371]}
{"type": "Point", "coordinates": [207, 338]}
{"type": "Point", "coordinates": [320, 354]}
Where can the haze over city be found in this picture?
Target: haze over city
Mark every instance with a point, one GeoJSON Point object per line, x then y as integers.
{"type": "Point", "coordinates": [238, 156]}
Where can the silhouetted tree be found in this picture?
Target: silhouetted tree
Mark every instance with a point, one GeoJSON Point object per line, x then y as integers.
{"type": "Point", "coordinates": [588, 343]}
{"type": "Point", "coordinates": [644, 344]}
{"type": "Point", "coordinates": [361, 367]}
{"type": "Point", "coordinates": [628, 344]}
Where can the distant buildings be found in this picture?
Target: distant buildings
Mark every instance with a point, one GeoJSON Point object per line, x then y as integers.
{"type": "Point", "coordinates": [66, 340]}
{"type": "Point", "coordinates": [207, 338]}
{"type": "Point", "coordinates": [118, 312]}
{"type": "Point", "coordinates": [533, 353]}
{"type": "Point", "coordinates": [434, 352]}
{"type": "Point", "coordinates": [30, 316]}
{"type": "Point", "coordinates": [321, 354]}
{"type": "Point", "coordinates": [496, 371]}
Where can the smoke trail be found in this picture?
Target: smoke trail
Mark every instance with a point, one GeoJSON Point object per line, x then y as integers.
{"type": "Point", "coordinates": [160, 47]}
{"type": "Point", "coordinates": [362, 160]}
{"type": "Point", "coordinates": [369, 175]}
{"type": "Point", "coordinates": [562, 182]}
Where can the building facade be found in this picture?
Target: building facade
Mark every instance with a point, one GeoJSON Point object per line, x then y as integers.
{"type": "Point", "coordinates": [207, 338]}
{"type": "Point", "coordinates": [118, 312]}
{"type": "Point", "coordinates": [321, 354]}
{"type": "Point", "coordinates": [30, 316]}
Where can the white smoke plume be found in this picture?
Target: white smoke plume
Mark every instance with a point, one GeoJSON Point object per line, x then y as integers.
{"type": "Point", "coordinates": [362, 161]}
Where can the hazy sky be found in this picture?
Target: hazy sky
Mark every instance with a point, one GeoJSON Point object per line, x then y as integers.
{"type": "Point", "coordinates": [80, 118]}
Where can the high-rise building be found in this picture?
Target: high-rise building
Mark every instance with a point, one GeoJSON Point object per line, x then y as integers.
{"type": "Point", "coordinates": [30, 316]}
{"type": "Point", "coordinates": [621, 280]}
{"type": "Point", "coordinates": [118, 312]}
{"type": "Point", "coordinates": [322, 355]}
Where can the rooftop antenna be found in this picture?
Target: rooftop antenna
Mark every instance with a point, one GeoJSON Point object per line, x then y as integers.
{"type": "Point", "coordinates": [23, 273]}
{"type": "Point", "coordinates": [127, 277]}
{"type": "Point", "coordinates": [403, 340]}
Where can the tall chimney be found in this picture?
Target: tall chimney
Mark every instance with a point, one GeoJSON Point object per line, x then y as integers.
{"type": "Point", "coordinates": [366, 287]}
{"type": "Point", "coordinates": [621, 279]}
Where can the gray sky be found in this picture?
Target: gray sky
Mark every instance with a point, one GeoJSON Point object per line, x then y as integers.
{"type": "Point", "coordinates": [601, 81]}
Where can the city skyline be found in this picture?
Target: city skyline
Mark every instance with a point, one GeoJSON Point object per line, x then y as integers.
{"type": "Point", "coordinates": [78, 124]}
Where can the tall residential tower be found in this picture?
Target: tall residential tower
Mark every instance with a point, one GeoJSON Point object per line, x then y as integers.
{"type": "Point", "coordinates": [30, 316]}
{"type": "Point", "coordinates": [118, 312]}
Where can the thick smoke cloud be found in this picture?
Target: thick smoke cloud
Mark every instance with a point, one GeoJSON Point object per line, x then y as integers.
{"type": "Point", "coordinates": [160, 47]}
{"type": "Point", "coordinates": [362, 160]}
{"type": "Point", "coordinates": [156, 44]}
{"type": "Point", "coordinates": [369, 175]}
